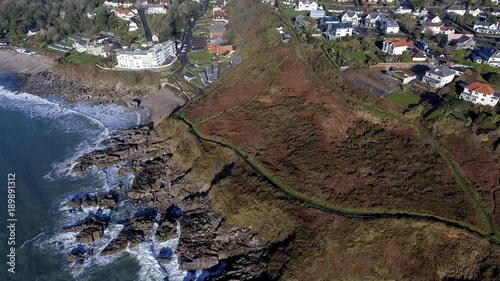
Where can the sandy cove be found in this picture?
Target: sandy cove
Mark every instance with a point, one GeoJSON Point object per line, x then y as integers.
{"type": "Point", "coordinates": [160, 103]}
{"type": "Point", "coordinates": [11, 61]}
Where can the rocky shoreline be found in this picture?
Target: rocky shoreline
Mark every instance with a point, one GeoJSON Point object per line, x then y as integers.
{"type": "Point", "coordinates": [159, 103]}
{"type": "Point", "coordinates": [48, 83]}
{"type": "Point", "coordinates": [173, 174]}
{"type": "Point", "coordinates": [168, 190]}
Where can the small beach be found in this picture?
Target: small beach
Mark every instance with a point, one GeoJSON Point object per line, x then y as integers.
{"type": "Point", "coordinates": [161, 104]}
{"type": "Point", "coordinates": [11, 61]}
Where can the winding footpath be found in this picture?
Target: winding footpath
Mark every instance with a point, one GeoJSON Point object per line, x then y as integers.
{"type": "Point", "coordinates": [337, 210]}
{"type": "Point", "coordinates": [490, 232]}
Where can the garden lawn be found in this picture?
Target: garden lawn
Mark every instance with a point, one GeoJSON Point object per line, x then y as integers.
{"type": "Point", "coordinates": [404, 99]}
{"type": "Point", "coordinates": [83, 59]}
{"type": "Point", "coordinates": [200, 57]}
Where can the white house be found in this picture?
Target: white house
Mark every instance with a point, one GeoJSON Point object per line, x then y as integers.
{"type": "Point", "coordinates": [32, 32]}
{"type": "Point", "coordinates": [350, 17]}
{"type": "Point", "coordinates": [142, 59]}
{"type": "Point", "coordinates": [155, 9]}
{"type": "Point", "coordinates": [434, 19]}
{"type": "Point", "coordinates": [456, 10]}
{"type": "Point", "coordinates": [317, 14]}
{"type": "Point", "coordinates": [338, 30]}
{"type": "Point", "coordinates": [125, 14]}
{"type": "Point", "coordinates": [81, 45]}
{"type": "Point", "coordinates": [112, 4]}
{"type": "Point", "coordinates": [374, 20]}
{"type": "Point", "coordinates": [396, 46]}
{"type": "Point", "coordinates": [390, 26]}
{"type": "Point", "coordinates": [439, 76]}
{"type": "Point", "coordinates": [437, 28]}
{"type": "Point", "coordinates": [420, 12]}
{"type": "Point", "coordinates": [475, 11]}
{"type": "Point", "coordinates": [98, 50]}
{"type": "Point", "coordinates": [487, 56]}
{"type": "Point", "coordinates": [486, 27]}
{"type": "Point", "coordinates": [480, 93]}
{"type": "Point", "coordinates": [401, 11]}
{"type": "Point", "coordinates": [155, 37]}
{"type": "Point", "coordinates": [307, 5]}
{"type": "Point", "coordinates": [132, 26]}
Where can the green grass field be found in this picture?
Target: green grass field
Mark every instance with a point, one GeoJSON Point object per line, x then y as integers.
{"type": "Point", "coordinates": [200, 57]}
{"type": "Point", "coordinates": [291, 12]}
{"type": "Point", "coordinates": [83, 59]}
{"type": "Point", "coordinates": [404, 99]}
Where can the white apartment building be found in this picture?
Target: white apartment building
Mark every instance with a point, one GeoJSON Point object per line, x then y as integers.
{"type": "Point", "coordinates": [480, 93]}
{"type": "Point", "coordinates": [155, 9]}
{"type": "Point", "coordinates": [144, 59]}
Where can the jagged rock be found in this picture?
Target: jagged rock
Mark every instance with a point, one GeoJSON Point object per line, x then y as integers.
{"type": "Point", "coordinates": [90, 229]}
{"type": "Point", "coordinates": [104, 200]}
{"type": "Point", "coordinates": [205, 240]}
{"type": "Point", "coordinates": [72, 90]}
{"type": "Point", "coordinates": [133, 232]}
{"type": "Point", "coordinates": [166, 230]}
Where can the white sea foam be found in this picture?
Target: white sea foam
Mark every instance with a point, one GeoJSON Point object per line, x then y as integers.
{"type": "Point", "coordinates": [147, 253]}
{"type": "Point", "coordinates": [94, 124]}
{"type": "Point", "coordinates": [91, 122]}
{"type": "Point", "coordinates": [34, 240]}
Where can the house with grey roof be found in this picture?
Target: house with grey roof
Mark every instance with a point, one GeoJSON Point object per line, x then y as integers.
{"type": "Point", "coordinates": [374, 20]}
{"type": "Point", "coordinates": [390, 26]}
{"type": "Point", "coordinates": [338, 31]}
{"type": "Point", "coordinates": [486, 27]}
{"type": "Point", "coordinates": [457, 11]}
{"type": "Point", "coordinates": [464, 42]}
{"type": "Point", "coordinates": [439, 76]}
{"type": "Point", "coordinates": [350, 17]}
{"type": "Point", "coordinates": [316, 14]}
{"type": "Point", "coordinates": [487, 56]}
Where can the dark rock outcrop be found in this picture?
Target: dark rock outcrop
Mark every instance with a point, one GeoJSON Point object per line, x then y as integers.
{"type": "Point", "coordinates": [104, 200]}
{"type": "Point", "coordinates": [166, 163]}
{"type": "Point", "coordinates": [90, 229]}
{"type": "Point", "coordinates": [73, 90]}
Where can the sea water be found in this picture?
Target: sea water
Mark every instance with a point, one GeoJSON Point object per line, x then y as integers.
{"type": "Point", "coordinates": [40, 140]}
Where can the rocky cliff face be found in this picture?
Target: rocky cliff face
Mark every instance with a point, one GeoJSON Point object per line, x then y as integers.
{"type": "Point", "coordinates": [73, 90]}
{"type": "Point", "coordinates": [173, 176]}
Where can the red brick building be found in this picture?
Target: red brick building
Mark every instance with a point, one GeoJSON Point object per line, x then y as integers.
{"type": "Point", "coordinates": [218, 46]}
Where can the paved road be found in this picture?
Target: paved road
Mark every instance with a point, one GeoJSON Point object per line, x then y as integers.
{"type": "Point", "coordinates": [188, 35]}
{"type": "Point", "coordinates": [142, 14]}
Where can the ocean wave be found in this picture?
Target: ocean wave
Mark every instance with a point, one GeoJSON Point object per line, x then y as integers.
{"type": "Point", "coordinates": [92, 123]}
{"type": "Point", "coordinates": [148, 252]}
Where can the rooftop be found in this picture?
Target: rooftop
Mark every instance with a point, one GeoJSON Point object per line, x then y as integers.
{"type": "Point", "coordinates": [217, 27]}
{"type": "Point", "coordinates": [442, 71]}
{"type": "Point", "coordinates": [400, 43]}
{"type": "Point", "coordinates": [482, 88]}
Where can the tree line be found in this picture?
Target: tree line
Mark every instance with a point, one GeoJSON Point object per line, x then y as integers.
{"type": "Point", "coordinates": [61, 18]}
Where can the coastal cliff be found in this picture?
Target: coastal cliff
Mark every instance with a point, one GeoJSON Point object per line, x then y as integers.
{"type": "Point", "coordinates": [174, 173]}
{"type": "Point", "coordinates": [49, 83]}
